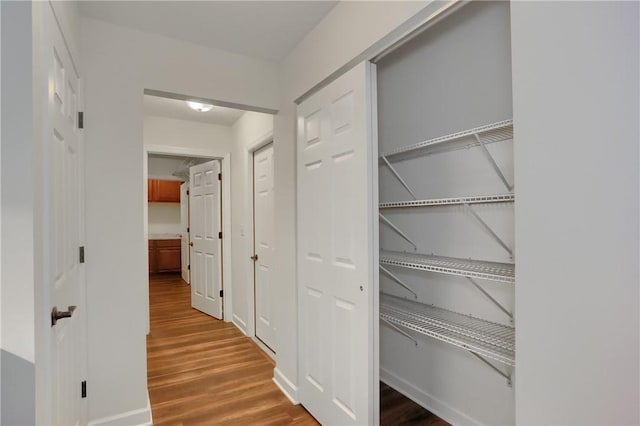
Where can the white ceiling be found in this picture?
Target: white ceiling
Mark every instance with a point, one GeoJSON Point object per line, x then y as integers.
{"type": "Point", "coordinates": [262, 29]}
{"type": "Point", "coordinates": [173, 108]}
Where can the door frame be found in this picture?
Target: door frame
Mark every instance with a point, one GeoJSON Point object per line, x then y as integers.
{"type": "Point", "coordinates": [225, 160]}
{"type": "Point", "coordinates": [248, 152]}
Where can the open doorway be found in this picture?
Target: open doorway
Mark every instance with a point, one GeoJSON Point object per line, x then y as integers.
{"type": "Point", "coordinates": [187, 171]}
{"type": "Point", "coordinates": [184, 222]}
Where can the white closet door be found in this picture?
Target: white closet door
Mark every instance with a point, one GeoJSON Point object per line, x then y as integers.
{"type": "Point", "coordinates": [337, 284]}
{"type": "Point", "coordinates": [264, 222]}
{"type": "Point", "coordinates": [64, 157]}
{"type": "Point", "coordinates": [184, 231]}
{"type": "Point", "coordinates": [204, 218]}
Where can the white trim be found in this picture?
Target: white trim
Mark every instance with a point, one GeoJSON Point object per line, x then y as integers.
{"type": "Point", "coordinates": [225, 157]}
{"type": "Point", "coordinates": [286, 386]}
{"type": "Point", "coordinates": [139, 417]}
{"type": "Point", "coordinates": [257, 144]}
{"type": "Point", "coordinates": [420, 397]}
{"type": "Point", "coordinates": [242, 326]}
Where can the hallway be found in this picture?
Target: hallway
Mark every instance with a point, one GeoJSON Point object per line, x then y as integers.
{"type": "Point", "coordinates": [204, 371]}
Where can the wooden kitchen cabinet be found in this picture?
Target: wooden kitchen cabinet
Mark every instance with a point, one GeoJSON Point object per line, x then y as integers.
{"type": "Point", "coordinates": [164, 256]}
{"type": "Point", "coordinates": [163, 191]}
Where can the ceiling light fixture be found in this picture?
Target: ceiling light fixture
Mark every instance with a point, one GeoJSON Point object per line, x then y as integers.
{"type": "Point", "coordinates": [199, 106]}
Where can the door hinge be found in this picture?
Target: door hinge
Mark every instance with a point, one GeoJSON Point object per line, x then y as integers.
{"type": "Point", "coordinates": [80, 120]}
{"type": "Point", "coordinates": [84, 388]}
{"type": "Point", "coordinates": [219, 176]}
{"type": "Point", "coordinates": [221, 293]}
{"type": "Point", "coordinates": [220, 235]}
{"type": "Point", "coordinates": [81, 254]}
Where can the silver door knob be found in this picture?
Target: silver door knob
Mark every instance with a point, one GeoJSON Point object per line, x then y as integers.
{"type": "Point", "coordinates": [58, 315]}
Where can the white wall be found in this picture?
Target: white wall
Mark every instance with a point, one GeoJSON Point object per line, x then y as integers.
{"type": "Point", "coordinates": [120, 64]}
{"type": "Point", "coordinates": [164, 218]}
{"type": "Point", "coordinates": [575, 101]}
{"type": "Point", "coordinates": [250, 129]}
{"type": "Point", "coordinates": [17, 152]}
{"type": "Point", "coordinates": [188, 134]}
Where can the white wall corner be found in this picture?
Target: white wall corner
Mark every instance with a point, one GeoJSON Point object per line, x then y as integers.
{"type": "Point", "coordinates": [437, 407]}
{"type": "Point", "coordinates": [242, 326]}
{"type": "Point", "coordinates": [286, 386]}
{"type": "Point", "coordinates": [140, 417]}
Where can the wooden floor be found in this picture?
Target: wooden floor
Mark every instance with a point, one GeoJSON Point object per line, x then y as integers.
{"type": "Point", "coordinates": [202, 371]}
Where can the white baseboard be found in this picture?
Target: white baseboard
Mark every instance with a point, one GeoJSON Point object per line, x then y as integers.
{"type": "Point", "coordinates": [285, 385]}
{"type": "Point", "coordinates": [140, 417]}
{"type": "Point", "coordinates": [242, 326]}
{"type": "Point", "coordinates": [437, 407]}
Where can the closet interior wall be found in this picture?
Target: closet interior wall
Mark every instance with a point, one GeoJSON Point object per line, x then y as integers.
{"type": "Point", "coordinates": [455, 76]}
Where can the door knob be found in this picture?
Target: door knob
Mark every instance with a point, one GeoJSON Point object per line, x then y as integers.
{"type": "Point", "coordinates": [191, 243]}
{"type": "Point", "coordinates": [254, 257]}
{"type": "Point", "coordinates": [57, 315]}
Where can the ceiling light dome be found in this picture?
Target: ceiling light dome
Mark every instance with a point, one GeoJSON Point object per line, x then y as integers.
{"type": "Point", "coordinates": [199, 106]}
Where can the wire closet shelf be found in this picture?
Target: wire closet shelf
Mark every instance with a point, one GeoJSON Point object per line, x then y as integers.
{"type": "Point", "coordinates": [493, 271]}
{"type": "Point", "coordinates": [495, 132]}
{"type": "Point", "coordinates": [485, 338]}
{"type": "Point", "coordinates": [477, 199]}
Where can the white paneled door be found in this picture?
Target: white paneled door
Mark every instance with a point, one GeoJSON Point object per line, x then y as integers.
{"type": "Point", "coordinates": [63, 156]}
{"type": "Point", "coordinates": [337, 234]}
{"type": "Point", "coordinates": [204, 224]}
{"type": "Point", "coordinates": [184, 231]}
{"type": "Point", "coordinates": [264, 235]}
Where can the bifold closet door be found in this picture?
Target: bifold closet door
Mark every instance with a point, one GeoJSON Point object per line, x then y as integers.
{"type": "Point", "coordinates": [337, 285]}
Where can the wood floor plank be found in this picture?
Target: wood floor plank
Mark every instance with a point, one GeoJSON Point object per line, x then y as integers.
{"type": "Point", "coordinates": [202, 371]}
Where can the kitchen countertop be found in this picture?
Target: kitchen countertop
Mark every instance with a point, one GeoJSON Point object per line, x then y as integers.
{"type": "Point", "coordinates": [165, 236]}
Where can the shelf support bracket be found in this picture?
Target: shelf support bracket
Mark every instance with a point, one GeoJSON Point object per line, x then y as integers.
{"type": "Point", "coordinates": [395, 228]}
{"type": "Point", "coordinates": [493, 367]}
{"type": "Point", "coordinates": [487, 154]}
{"type": "Point", "coordinates": [401, 331]}
{"type": "Point", "coordinates": [488, 296]}
{"type": "Point", "coordinates": [397, 175]}
{"type": "Point", "coordinates": [489, 230]}
{"type": "Point", "coordinates": [398, 281]}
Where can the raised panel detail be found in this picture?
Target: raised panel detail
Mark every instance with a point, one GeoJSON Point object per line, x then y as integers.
{"type": "Point", "coordinates": [342, 111]}
{"type": "Point", "coordinates": [58, 80]}
{"type": "Point", "coordinates": [312, 129]}
{"type": "Point", "coordinates": [199, 274]}
{"type": "Point", "coordinates": [342, 360]}
{"type": "Point", "coordinates": [210, 228]}
{"type": "Point", "coordinates": [314, 361]}
{"type": "Point", "coordinates": [210, 276]}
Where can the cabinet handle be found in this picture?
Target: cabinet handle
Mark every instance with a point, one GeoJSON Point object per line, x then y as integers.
{"type": "Point", "coordinates": [254, 257]}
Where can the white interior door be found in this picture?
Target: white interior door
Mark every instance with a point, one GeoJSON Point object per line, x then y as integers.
{"type": "Point", "coordinates": [204, 224]}
{"type": "Point", "coordinates": [337, 281]}
{"type": "Point", "coordinates": [263, 211]}
{"type": "Point", "coordinates": [184, 231]}
{"type": "Point", "coordinates": [64, 158]}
